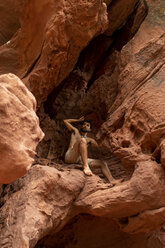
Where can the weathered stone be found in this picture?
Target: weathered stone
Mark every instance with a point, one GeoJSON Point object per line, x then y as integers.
{"type": "Point", "coordinates": [128, 96]}
{"type": "Point", "coordinates": [9, 22]}
{"type": "Point", "coordinates": [47, 195]}
{"type": "Point", "coordinates": [19, 128]}
{"type": "Point", "coordinates": [45, 50]}
{"type": "Point", "coordinates": [50, 40]}
{"type": "Point", "coordinates": [118, 13]}
{"type": "Point", "coordinates": [76, 234]}
{"type": "Point", "coordinates": [136, 119]}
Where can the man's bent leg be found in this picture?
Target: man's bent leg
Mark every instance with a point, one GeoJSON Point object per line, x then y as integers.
{"type": "Point", "coordinates": [98, 163]}
{"type": "Point", "coordinates": [83, 154]}
{"type": "Point", "coordinates": [71, 156]}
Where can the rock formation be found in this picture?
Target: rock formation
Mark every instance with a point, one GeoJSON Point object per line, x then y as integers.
{"type": "Point", "coordinates": [111, 71]}
{"type": "Point", "coordinates": [9, 21]}
{"type": "Point", "coordinates": [135, 121]}
{"type": "Point", "coordinates": [51, 37]}
{"type": "Point", "coordinates": [20, 131]}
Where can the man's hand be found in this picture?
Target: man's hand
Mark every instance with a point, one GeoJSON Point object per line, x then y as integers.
{"type": "Point", "coordinates": [81, 119]}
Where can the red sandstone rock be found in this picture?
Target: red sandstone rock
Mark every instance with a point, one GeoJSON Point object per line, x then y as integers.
{"type": "Point", "coordinates": [118, 13]}
{"type": "Point", "coordinates": [46, 199]}
{"type": "Point", "coordinates": [48, 44]}
{"type": "Point", "coordinates": [50, 40]}
{"type": "Point", "coordinates": [9, 22]}
{"type": "Point", "coordinates": [135, 123]}
{"type": "Point", "coordinates": [19, 128]}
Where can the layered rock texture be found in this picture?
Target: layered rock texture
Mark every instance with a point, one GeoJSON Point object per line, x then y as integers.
{"type": "Point", "coordinates": [105, 61]}
{"type": "Point", "coordinates": [51, 37]}
{"type": "Point", "coordinates": [19, 128]}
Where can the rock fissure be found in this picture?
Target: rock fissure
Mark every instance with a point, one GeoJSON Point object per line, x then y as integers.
{"type": "Point", "coordinates": [31, 67]}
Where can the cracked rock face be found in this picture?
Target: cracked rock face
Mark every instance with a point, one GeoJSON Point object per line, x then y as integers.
{"type": "Point", "coordinates": [20, 131]}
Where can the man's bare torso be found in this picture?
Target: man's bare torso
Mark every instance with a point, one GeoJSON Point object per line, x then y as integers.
{"type": "Point", "coordinates": [75, 137]}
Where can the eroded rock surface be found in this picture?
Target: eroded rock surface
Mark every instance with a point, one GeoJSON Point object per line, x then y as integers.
{"type": "Point", "coordinates": [47, 46]}
{"type": "Point", "coordinates": [50, 40]}
{"type": "Point", "coordinates": [19, 128]}
{"type": "Point", "coordinates": [123, 91]}
{"type": "Point", "coordinates": [76, 234]}
{"type": "Point", "coordinates": [136, 119]}
{"type": "Point", "coordinates": [47, 198]}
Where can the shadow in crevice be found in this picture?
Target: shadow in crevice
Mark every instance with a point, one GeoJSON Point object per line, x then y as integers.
{"type": "Point", "coordinates": [88, 231]}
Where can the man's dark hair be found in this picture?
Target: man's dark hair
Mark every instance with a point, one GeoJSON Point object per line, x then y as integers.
{"type": "Point", "coordinates": [88, 121]}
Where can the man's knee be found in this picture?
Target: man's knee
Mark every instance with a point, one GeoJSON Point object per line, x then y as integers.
{"type": "Point", "coordinates": [83, 141]}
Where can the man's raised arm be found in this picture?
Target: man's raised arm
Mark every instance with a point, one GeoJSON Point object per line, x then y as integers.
{"type": "Point", "coordinates": [69, 121]}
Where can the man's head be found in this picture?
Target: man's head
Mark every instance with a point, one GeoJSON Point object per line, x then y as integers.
{"type": "Point", "coordinates": [86, 126]}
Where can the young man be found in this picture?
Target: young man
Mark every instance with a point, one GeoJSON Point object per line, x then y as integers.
{"type": "Point", "coordinates": [77, 151]}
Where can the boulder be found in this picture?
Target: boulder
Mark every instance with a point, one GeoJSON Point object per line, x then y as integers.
{"type": "Point", "coordinates": [19, 128]}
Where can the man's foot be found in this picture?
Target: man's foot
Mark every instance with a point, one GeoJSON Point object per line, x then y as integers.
{"type": "Point", "coordinates": [115, 182]}
{"type": "Point", "coordinates": [87, 171]}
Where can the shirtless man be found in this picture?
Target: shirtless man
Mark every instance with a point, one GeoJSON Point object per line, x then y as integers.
{"type": "Point", "coordinates": [77, 151]}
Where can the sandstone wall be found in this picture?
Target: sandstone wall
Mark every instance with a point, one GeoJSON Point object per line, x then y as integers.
{"type": "Point", "coordinates": [116, 81]}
